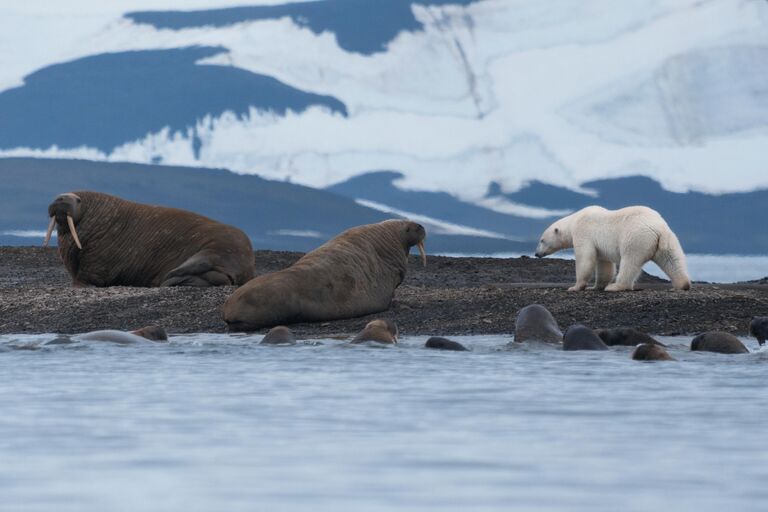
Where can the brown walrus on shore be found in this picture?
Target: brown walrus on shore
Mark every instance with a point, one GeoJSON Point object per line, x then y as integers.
{"type": "Point", "coordinates": [380, 331]}
{"type": "Point", "coordinates": [107, 241]}
{"type": "Point", "coordinates": [352, 275]}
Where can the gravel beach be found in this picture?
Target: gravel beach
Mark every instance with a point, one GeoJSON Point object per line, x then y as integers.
{"type": "Point", "coordinates": [450, 296]}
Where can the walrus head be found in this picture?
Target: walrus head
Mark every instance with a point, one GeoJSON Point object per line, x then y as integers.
{"type": "Point", "coordinates": [64, 211]}
{"type": "Point", "coordinates": [152, 333]}
{"type": "Point", "coordinates": [414, 234]}
{"type": "Point", "coordinates": [381, 330]}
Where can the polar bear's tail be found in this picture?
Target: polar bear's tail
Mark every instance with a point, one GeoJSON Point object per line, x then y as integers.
{"type": "Point", "coordinates": [671, 259]}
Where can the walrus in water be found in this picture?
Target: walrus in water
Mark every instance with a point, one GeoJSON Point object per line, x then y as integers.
{"type": "Point", "coordinates": [352, 275]}
{"type": "Point", "coordinates": [759, 329]}
{"type": "Point", "coordinates": [651, 352]}
{"type": "Point", "coordinates": [280, 335]}
{"type": "Point", "coordinates": [536, 323]}
{"type": "Point", "coordinates": [379, 330]}
{"type": "Point", "coordinates": [717, 341]}
{"type": "Point", "coordinates": [438, 343]}
{"type": "Point", "coordinates": [578, 337]}
{"type": "Point", "coordinates": [150, 332]}
{"type": "Point", "coordinates": [625, 336]}
{"type": "Point", "coordinates": [108, 241]}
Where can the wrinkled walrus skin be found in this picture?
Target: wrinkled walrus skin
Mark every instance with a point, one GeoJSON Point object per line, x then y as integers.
{"type": "Point", "coordinates": [352, 275]}
{"type": "Point", "coordinates": [122, 243]}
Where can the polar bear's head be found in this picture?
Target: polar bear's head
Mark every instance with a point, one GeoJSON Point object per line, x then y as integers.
{"type": "Point", "coordinates": [554, 238]}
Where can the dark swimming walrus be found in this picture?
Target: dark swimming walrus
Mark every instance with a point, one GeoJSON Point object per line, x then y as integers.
{"type": "Point", "coordinates": [625, 336]}
{"type": "Point", "coordinates": [759, 329]}
{"type": "Point", "coordinates": [536, 323]}
{"type": "Point", "coordinates": [578, 337]}
{"type": "Point", "coordinates": [352, 275]}
{"type": "Point", "coordinates": [651, 352]}
{"type": "Point", "coordinates": [379, 330]}
{"type": "Point", "coordinates": [717, 341]}
{"type": "Point", "coordinates": [280, 335]}
{"type": "Point", "coordinates": [439, 343]}
{"type": "Point", "coordinates": [108, 241]}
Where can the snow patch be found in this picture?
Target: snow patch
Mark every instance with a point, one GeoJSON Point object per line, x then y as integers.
{"type": "Point", "coordinates": [502, 205]}
{"type": "Point", "coordinates": [308, 233]}
{"type": "Point", "coordinates": [435, 226]}
{"type": "Point", "coordinates": [26, 233]}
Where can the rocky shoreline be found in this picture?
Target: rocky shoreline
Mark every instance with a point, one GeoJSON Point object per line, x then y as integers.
{"type": "Point", "coordinates": [451, 296]}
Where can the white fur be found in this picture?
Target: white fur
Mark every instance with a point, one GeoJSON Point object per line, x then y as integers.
{"type": "Point", "coordinates": [629, 237]}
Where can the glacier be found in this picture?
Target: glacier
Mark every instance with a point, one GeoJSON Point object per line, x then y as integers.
{"type": "Point", "coordinates": [459, 97]}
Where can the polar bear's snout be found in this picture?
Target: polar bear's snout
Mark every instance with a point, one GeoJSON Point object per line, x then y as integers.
{"type": "Point", "coordinates": [543, 249]}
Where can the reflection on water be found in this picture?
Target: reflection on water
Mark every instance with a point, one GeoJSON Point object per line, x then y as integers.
{"type": "Point", "coordinates": [216, 422]}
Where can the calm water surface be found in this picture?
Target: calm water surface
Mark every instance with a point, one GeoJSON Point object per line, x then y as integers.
{"type": "Point", "coordinates": [216, 422]}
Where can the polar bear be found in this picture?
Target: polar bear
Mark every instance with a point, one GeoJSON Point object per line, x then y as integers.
{"type": "Point", "coordinates": [629, 237]}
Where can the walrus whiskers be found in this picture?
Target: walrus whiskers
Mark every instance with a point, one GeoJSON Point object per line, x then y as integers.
{"type": "Point", "coordinates": [423, 253]}
{"type": "Point", "coordinates": [49, 232]}
{"type": "Point", "coordinates": [74, 232]}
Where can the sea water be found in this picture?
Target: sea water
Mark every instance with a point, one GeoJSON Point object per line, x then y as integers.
{"type": "Point", "coordinates": [214, 422]}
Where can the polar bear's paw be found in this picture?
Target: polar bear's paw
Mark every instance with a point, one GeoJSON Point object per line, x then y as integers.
{"type": "Point", "coordinates": [616, 287]}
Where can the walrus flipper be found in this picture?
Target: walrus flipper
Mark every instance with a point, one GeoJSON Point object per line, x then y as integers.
{"type": "Point", "coordinates": [198, 270]}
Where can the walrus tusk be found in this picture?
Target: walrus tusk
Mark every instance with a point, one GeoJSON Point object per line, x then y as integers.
{"type": "Point", "coordinates": [50, 230]}
{"type": "Point", "coordinates": [74, 231]}
{"type": "Point", "coordinates": [423, 253]}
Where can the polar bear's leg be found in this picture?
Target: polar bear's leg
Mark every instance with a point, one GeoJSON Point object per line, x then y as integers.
{"type": "Point", "coordinates": [630, 267]}
{"type": "Point", "coordinates": [586, 258]}
{"type": "Point", "coordinates": [604, 272]}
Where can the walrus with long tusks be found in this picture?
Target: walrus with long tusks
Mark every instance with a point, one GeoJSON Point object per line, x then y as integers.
{"type": "Point", "coordinates": [107, 241]}
{"type": "Point", "coordinates": [352, 275]}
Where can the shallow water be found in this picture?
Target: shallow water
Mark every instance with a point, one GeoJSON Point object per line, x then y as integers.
{"type": "Point", "coordinates": [216, 422]}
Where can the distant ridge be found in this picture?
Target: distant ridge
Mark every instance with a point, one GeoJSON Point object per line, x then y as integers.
{"type": "Point", "coordinates": [275, 215]}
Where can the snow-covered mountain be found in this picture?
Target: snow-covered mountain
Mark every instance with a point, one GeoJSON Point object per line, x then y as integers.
{"type": "Point", "coordinates": [470, 100]}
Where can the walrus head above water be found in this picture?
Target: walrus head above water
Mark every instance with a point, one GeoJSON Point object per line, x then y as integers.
{"type": "Point", "coordinates": [379, 330]}
{"type": "Point", "coordinates": [352, 275]}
